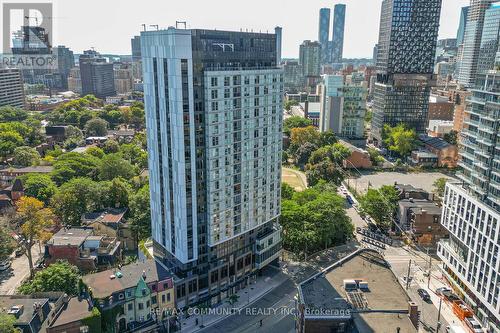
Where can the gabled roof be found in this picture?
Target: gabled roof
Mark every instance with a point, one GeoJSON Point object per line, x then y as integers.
{"type": "Point", "coordinates": [142, 289]}
{"type": "Point", "coordinates": [434, 142]}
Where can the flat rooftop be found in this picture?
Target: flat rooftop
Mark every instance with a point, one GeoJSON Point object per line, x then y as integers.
{"type": "Point", "coordinates": [385, 294]}
{"type": "Point", "coordinates": [8, 301]}
{"type": "Point", "coordinates": [70, 236]}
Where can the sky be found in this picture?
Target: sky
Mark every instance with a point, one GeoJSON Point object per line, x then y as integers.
{"type": "Point", "coordinates": [108, 25]}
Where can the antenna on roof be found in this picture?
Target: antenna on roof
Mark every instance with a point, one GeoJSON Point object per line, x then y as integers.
{"type": "Point", "coordinates": [143, 27]}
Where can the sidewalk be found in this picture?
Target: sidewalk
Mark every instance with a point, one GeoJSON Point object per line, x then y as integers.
{"type": "Point", "coordinates": [271, 278]}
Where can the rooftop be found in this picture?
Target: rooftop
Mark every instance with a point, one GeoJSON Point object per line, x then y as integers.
{"type": "Point", "coordinates": [326, 291]}
{"type": "Point", "coordinates": [32, 169]}
{"type": "Point", "coordinates": [74, 310]}
{"type": "Point", "coordinates": [434, 142]}
{"type": "Point", "coordinates": [70, 236]}
{"type": "Point", "coordinates": [103, 285]}
{"type": "Point", "coordinates": [111, 217]}
{"type": "Point", "coordinates": [8, 301]}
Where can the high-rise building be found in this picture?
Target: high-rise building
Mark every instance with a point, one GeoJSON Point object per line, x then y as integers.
{"type": "Point", "coordinates": [124, 77]}
{"type": "Point", "coordinates": [96, 74]}
{"type": "Point", "coordinates": [469, 57]}
{"type": "Point", "coordinates": [214, 106]}
{"type": "Point", "coordinates": [471, 208]}
{"type": "Point", "coordinates": [11, 88]}
{"type": "Point", "coordinates": [374, 56]}
{"type": "Point", "coordinates": [324, 34]}
{"type": "Point", "coordinates": [310, 58]}
{"type": "Point", "coordinates": [75, 80]}
{"type": "Point", "coordinates": [65, 61]}
{"type": "Point", "coordinates": [337, 46]}
{"type": "Point", "coordinates": [292, 75]}
{"type": "Point", "coordinates": [135, 43]}
{"type": "Point", "coordinates": [278, 31]}
{"type": "Point", "coordinates": [489, 53]}
{"type": "Point", "coordinates": [405, 64]}
{"type": "Point", "coordinates": [343, 106]}
{"type": "Point", "coordinates": [462, 25]}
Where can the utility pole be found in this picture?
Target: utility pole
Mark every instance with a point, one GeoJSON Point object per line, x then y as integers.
{"type": "Point", "coordinates": [438, 326]}
{"type": "Point", "coordinates": [408, 275]}
{"type": "Point", "coordinates": [429, 272]}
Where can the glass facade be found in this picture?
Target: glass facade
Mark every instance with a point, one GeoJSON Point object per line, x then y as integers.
{"type": "Point", "coordinates": [405, 63]}
{"type": "Point", "coordinates": [337, 46]}
{"type": "Point", "coordinates": [324, 33]}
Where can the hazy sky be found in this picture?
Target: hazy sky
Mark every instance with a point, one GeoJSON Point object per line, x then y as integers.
{"type": "Point", "coordinates": [108, 25]}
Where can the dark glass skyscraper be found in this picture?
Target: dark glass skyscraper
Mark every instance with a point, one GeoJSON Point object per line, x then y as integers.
{"type": "Point", "coordinates": [324, 34]}
{"type": "Point", "coordinates": [214, 105]}
{"type": "Point", "coordinates": [337, 45]}
{"type": "Point", "coordinates": [405, 63]}
{"type": "Point", "coordinates": [135, 43]}
{"type": "Point", "coordinates": [462, 25]}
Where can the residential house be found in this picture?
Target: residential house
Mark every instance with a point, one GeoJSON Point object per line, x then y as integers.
{"type": "Point", "coordinates": [10, 194]}
{"type": "Point", "coordinates": [111, 222]}
{"type": "Point", "coordinates": [407, 191]}
{"type": "Point", "coordinates": [359, 158]}
{"type": "Point", "coordinates": [33, 313]}
{"type": "Point", "coordinates": [137, 293]}
{"type": "Point", "coordinates": [8, 175]}
{"type": "Point", "coordinates": [424, 225]}
{"type": "Point", "coordinates": [82, 248]}
{"type": "Point", "coordinates": [71, 318]}
{"type": "Point", "coordinates": [446, 153]}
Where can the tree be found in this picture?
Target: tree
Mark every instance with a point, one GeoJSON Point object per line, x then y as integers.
{"type": "Point", "coordinates": [375, 156]}
{"type": "Point", "coordinates": [6, 245]}
{"type": "Point", "coordinates": [60, 276]}
{"type": "Point", "coordinates": [26, 156]}
{"type": "Point", "coordinates": [10, 113]}
{"type": "Point", "coordinates": [451, 138]}
{"type": "Point", "coordinates": [299, 136]}
{"type": "Point", "coordinates": [74, 198]}
{"type": "Point", "coordinates": [288, 104]}
{"type": "Point", "coordinates": [286, 191]}
{"type": "Point", "coordinates": [31, 224]}
{"type": "Point", "coordinates": [115, 193]}
{"type": "Point", "coordinates": [295, 122]}
{"type": "Point", "coordinates": [96, 127]}
{"type": "Point", "coordinates": [74, 165]}
{"type": "Point", "coordinates": [314, 219]}
{"type": "Point", "coordinates": [400, 140]}
{"type": "Point", "coordinates": [439, 186]}
{"type": "Point", "coordinates": [111, 147]}
{"type": "Point", "coordinates": [39, 186]}
{"type": "Point", "coordinates": [113, 165]}
{"type": "Point", "coordinates": [95, 151]}
{"type": "Point", "coordinates": [134, 154]}
{"type": "Point", "coordinates": [7, 322]}
{"type": "Point", "coordinates": [327, 138]}
{"type": "Point", "coordinates": [304, 152]}
{"type": "Point", "coordinates": [74, 137]}
{"type": "Point", "coordinates": [137, 115]}
{"type": "Point", "coordinates": [9, 141]}
{"type": "Point", "coordinates": [140, 213]}
{"type": "Point", "coordinates": [381, 205]}
{"type": "Point", "coordinates": [325, 170]}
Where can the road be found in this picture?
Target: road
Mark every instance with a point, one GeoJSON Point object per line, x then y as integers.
{"type": "Point", "coordinates": [399, 258]}
{"type": "Point", "coordinates": [11, 279]}
{"type": "Point", "coordinates": [281, 299]}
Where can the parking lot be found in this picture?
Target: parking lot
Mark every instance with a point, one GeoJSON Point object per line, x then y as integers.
{"type": "Point", "coordinates": [422, 180]}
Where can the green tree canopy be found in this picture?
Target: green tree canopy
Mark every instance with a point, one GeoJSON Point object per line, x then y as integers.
{"type": "Point", "coordinates": [451, 138]}
{"type": "Point", "coordinates": [400, 140]}
{"type": "Point", "coordinates": [60, 276]}
{"type": "Point", "coordinates": [286, 191]}
{"type": "Point", "coordinates": [314, 219]}
{"type": "Point", "coordinates": [9, 141]}
{"type": "Point", "coordinates": [140, 213]}
{"type": "Point", "coordinates": [74, 165]}
{"type": "Point", "coordinates": [7, 322]}
{"type": "Point", "coordinates": [113, 165]}
{"type": "Point", "coordinates": [26, 156]}
{"type": "Point", "coordinates": [6, 244]}
{"type": "Point", "coordinates": [439, 186]}
{"type": "Point", "coordinates": [381, 205]}
{"type": "Point", "coordinates": [39, 186]}
{"type": "Point", "coordinates": [74, 137]}
{"type": "Point", "coordinates": [96, 127]}
{"type": "Point", "coordinates": [10, 113]}
{"type": "Point", "coordinates": [295, 122]}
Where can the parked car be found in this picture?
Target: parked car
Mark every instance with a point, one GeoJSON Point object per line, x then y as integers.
{"type": "Point", "coordinates": [424, 294]}
{"type": "Point", "coordinates": [442, 290]}
{"type": "Point", "coordinates": [474, 325]}
{"type": "Point", "coordinates": [4, 265]}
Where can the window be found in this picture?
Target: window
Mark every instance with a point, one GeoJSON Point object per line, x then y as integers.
{"type": "Point", "coordinates": [163, 298]}
{"type": "Point", "coordinates": [214, 94]}
{"type": "Point", "coordinates": [140, 306]}
{"type": "Point", "coordinates": [214, 82]}
{"type": "Point", "coordinates": [154, 299]}
{"type": "Point", "coordinates": [130, 306]}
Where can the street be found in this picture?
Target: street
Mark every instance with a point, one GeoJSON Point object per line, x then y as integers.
{"type": "Point", "coordinates": [11, 279]}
